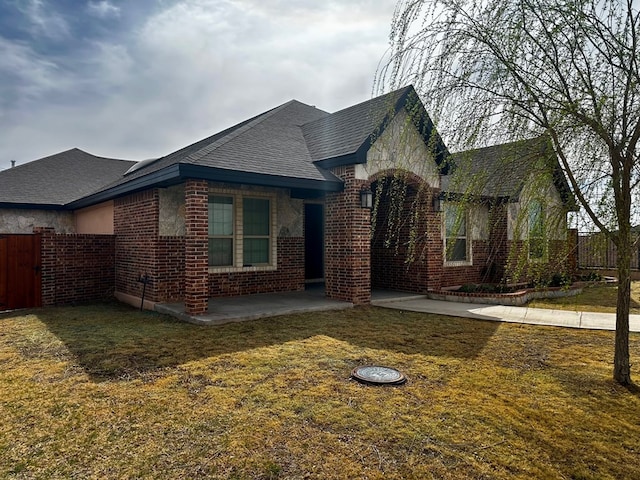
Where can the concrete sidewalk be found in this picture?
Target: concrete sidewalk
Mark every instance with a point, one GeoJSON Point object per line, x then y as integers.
{"type": "Point", "coordinates": [501, 313]}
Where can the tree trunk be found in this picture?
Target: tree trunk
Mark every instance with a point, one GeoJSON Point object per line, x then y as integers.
{"type": "Point", "coordinates": [621, 366]}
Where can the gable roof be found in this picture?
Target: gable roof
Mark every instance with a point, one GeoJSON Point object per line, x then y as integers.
{"type": "Point", "coordinates": [56, 180]}
{"type": "Point", "coordinates": [502, 170]}
{"type": "Point", "coordinates": [344, 137]}
{"type": "Point", "coordinates": [268, 149]}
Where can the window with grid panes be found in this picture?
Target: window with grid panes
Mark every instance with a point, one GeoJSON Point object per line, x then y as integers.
{"type": "Point", "coordinates": [455, 217]}
{"type": "Point", "coordinates": [256, 226]}
{"type": "Point", "coordinates": [221, 236]}
{"type": "Point", "coordinates": [537, 243]}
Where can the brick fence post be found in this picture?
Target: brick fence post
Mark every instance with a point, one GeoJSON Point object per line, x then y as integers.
{"type": "Point", "coordinates": [47, 264]}
{"type": "Point", "coordinates": [572, 244]}
{"type": "Point", "coordinates": [196, 249]}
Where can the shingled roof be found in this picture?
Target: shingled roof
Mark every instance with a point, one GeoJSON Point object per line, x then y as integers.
{"type": "Point", "coordinates": [290, 146]}
{"type": "Point", "coordinates": [59, 179]}
{"type": "Point", "coordinates": [345, 136]}
{"type": "Point", "coordinates": [269, 144]}
{"type": "Point", "coordinates": [503, 170]}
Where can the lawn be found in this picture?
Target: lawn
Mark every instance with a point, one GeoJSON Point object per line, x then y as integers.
{"type": "Point", "coordinates": [106, 391]}
{"type": "Point", "coordinates": [600, 298]}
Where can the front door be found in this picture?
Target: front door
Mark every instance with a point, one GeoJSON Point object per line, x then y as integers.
{"type": "Point", "coordinates": [313, 241]}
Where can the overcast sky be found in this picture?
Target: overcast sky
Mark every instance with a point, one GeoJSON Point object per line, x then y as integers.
{"type": "Point", "coordinates": [140, 79]}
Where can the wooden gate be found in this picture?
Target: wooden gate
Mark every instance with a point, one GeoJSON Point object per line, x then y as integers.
{"type": "Point", "coordinates": [20, 279]}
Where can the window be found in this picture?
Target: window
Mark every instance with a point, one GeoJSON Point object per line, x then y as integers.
{"type": "Point", "coordinates": [240, 230]}
{"type": "Point", "coordinates": [220, 231]}
{"type": "Point", "coordinates": [456, 247]}
{"type": "Point", "coordinates": [537, 244]}
{"type": "Point", "coordinates": [256, 222]}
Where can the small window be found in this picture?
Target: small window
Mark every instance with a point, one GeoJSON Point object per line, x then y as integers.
{"type": "Point", "coordinates": [456, 248]}
{"type": "Point", "coordinates": [220, 231]}
{"type": "Point", "coordinates": [537, 243]}
{"type": "Point", "coordinates": [257, 231]}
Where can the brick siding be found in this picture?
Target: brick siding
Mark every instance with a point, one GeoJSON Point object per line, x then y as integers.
{"type": "Point", "coordinates": [348, 242]}
{"type": "Point", "coordinates": [136, 229]}
{"type": "Point", "coordinates": [169, 276]}
{"type": "Point", "coordinates": [76, 268]}
{"type": "Point", "coordinates": [288, 277]}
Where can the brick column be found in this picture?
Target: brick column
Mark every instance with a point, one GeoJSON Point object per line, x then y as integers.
{"type": "Point", "coordinates": [572, 245]}
{"type": "Point", "coordinates": [47, 264]}
{"type": "Point", "coordinates": [348, 242]}
{"type": "Point", "coordinates": [196, 250]}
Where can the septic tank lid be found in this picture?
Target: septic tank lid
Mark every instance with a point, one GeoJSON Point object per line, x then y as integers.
{"type": "Point", "coordinates": [378, 375]}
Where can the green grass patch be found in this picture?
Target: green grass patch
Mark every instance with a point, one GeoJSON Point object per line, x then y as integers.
{"type": "Point", "coordinates": [598, 298]}
{"type": "Point", "coordinates": [106, 391]}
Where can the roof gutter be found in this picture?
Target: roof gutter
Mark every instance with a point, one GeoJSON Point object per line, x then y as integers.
{"type": "Point", "coordinates": [32, 206]}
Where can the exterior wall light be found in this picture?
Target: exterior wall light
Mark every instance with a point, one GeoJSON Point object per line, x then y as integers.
{"type": "Point", "coordinates": [437, 203]}
{"type": "Point", "coordinates": [366, 198]}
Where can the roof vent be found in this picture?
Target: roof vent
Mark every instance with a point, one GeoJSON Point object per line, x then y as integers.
{"type": "Point", "coordinates": [140, 164]}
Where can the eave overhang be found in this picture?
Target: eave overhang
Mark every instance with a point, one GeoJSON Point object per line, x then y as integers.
{"type": "Point", "coordinates": [178, 173]}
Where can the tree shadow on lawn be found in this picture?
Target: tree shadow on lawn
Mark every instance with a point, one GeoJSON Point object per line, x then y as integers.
{"type": "Point", "coordinates": [113, 341]}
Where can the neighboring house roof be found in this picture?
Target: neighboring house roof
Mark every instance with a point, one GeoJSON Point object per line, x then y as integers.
{"type": "Point", "coordinates": [503, 170]}
{"type": "Point", "coordinates": [59, 179]}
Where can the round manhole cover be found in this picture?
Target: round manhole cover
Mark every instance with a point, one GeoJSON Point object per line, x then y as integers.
{"type": "Point", "coordinates": [377, 375]}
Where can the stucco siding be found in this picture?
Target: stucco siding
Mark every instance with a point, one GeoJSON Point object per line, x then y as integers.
{"type": "Point", "coordinates": [25, 220]}
{"type": "Point", "coordinates": [400, 147]}
{"type": "Point", "coordinates": [97, 219]}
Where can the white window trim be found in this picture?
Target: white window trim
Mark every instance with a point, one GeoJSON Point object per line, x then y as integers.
{"type": "Point", "coordinates": [238, 234]}
{"type": "Point", "coordinates": [457, 263]}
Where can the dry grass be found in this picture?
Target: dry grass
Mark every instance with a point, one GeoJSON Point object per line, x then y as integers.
{"type": "Point", "coordinates": [600, 298]}
{"type": "Point", "coordinates": [109, 392]}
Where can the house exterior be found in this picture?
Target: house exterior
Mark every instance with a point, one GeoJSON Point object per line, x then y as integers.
{"type": "Point", "coordinates": [275, 202]}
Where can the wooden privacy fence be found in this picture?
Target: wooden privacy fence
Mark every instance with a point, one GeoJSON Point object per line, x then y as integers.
{"type": "Point", "coordinates": [596, 251]}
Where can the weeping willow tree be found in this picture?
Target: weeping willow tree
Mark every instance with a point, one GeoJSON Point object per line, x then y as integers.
{"type": "Point", "coordinates": [491, 71]}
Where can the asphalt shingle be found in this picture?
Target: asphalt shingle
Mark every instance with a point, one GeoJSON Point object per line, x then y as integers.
{"type": "Point", "coordinates": [502, 170]}
{"type": "Point", "coordinates": [343, 132]}
{"type": "Point", "coordinates": [59, 179]}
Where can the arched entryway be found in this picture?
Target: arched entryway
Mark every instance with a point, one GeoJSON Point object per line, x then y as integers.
{"type": "Point", "coordinates": [406, 242]}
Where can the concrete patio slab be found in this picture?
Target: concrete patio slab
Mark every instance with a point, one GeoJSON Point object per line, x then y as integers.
{"type": "Point", "coordinates": [251, 307]}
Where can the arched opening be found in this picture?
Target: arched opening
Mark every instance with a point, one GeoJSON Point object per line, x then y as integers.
{"type": "Point", "coordinates": [406, 239]}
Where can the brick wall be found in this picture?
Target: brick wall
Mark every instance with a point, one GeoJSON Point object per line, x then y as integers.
{"type": "Point", "coordinates": [520, 269]}
{"type": "Point", "coordinates": [76, 268]}
{"type": "Point", "coordinates": [169, 276]}
{"type": "Point", "coordinates": [475, 273]}
{"type": "Point", "coordinates": [288, 277]}
{"type": "Point", "coordinates": [178, 265]}
{"type": "Point", "coordinates": [348, 242]}
{"type": "Point", "coordinates": [136, 229]}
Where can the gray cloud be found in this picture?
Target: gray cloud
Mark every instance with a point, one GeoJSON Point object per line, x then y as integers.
{"type": "Point", "coordinates": [103, 9]}
{"type": "Point", "coordinates": [190, 70]}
